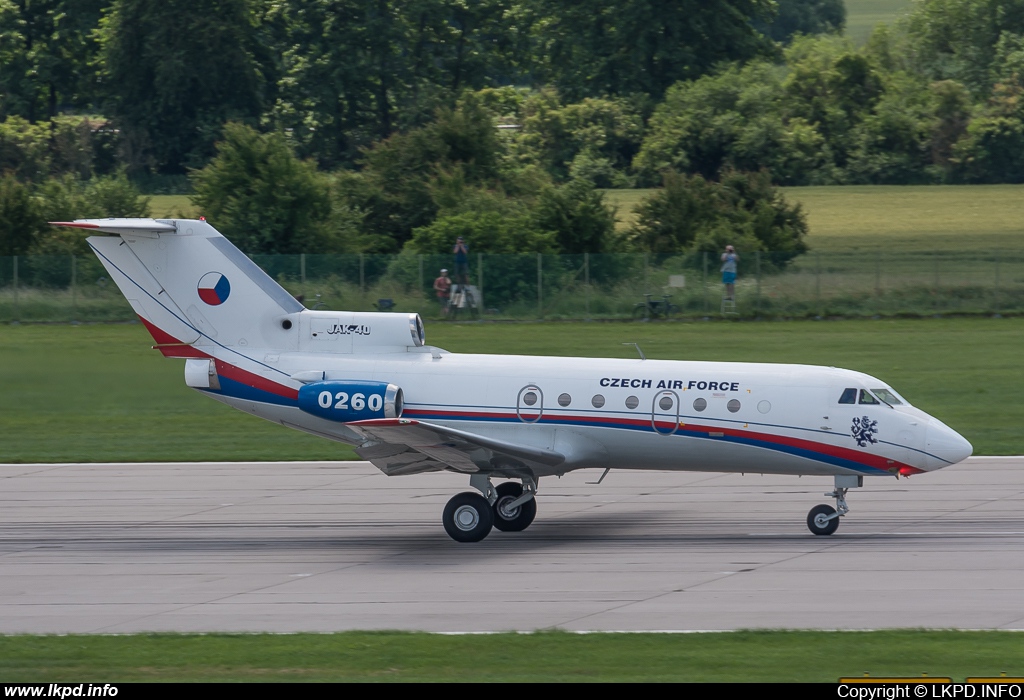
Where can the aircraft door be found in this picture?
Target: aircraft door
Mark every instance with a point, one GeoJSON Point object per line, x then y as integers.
{"type": "Point", "coordinates": [530, 403]}
{"type": "Point", "coordinates": [665, 412]}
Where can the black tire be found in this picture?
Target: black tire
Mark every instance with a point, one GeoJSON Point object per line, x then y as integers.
{"type": "Point", "coordinates": [672, 311]}
{"type": "Point", "coordinates": [640, 312]}
{"type": "Point", "coordinates": [816, 522]}
{"type": "Point", "coordinates": [520, 518]}
{"type": "Point", "coordinates": [468, 517]}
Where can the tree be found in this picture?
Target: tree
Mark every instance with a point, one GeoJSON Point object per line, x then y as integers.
{"type": "Point", "coordinates": [594, 48]}
{"type": "Point", "coordinates": [395, 186]}
{"type": "Point", "coordinates": [595, 138]}
{"type": "Point", "coordinates": [67, 198]}
{"type": "Point", "coordinates": [832, 86]}
{"type": "Point", "coordinates": [692, 214]}
{"type": "Point", "coordinates": [962, 39]}
{"type": "Point", "coordinates": [258, 194]}
{"type": "Point", "coordinates": [578, 216]}
{"type": "Point", "coordinates": [46, 56]}
{"type": "Point", "coordinates": [354, 72]}
{"type": "Point", "coordinates": [175, 72]}
{"type": "Point", "coordinates": [992, 148]}
{"type": "Point", "coordinates": [735, 119]}
{"type": "Point", "coordinates": [20, 219]}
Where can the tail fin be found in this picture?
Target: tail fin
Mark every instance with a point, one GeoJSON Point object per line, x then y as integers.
{"type": "Point", "coordinates": [190, 286]}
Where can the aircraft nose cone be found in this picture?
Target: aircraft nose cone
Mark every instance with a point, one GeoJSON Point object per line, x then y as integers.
{"type": "Point", "coordinates": [945, 446]}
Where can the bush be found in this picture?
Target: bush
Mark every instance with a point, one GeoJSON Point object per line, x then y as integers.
{"type": "Point", "coordinates": [20, 217]}
{"type": "Point", "coordinates": [263, 198]}
{"type": "Point", "coordinates": [24, 148]}
{"type": "Point", "coordinates": [691, 214]}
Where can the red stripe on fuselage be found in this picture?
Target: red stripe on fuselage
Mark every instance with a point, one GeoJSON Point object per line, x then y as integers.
{"type": "Point", "coordinates": [172, 347]}
{"type": "Point", "coordinates": [883, 464]}
{"type": "Point", "coordinates": [255, 381]}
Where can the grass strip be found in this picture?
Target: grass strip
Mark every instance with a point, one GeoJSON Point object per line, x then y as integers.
{"type": "Point", "coordinates": [745, 656]}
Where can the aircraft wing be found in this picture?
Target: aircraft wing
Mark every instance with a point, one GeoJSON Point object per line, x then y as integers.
{"type": "Point", "coordinates": [404, 446]}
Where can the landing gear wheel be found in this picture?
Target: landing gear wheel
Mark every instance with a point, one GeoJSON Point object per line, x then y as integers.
{"type": "Point", "coordinates": [520, 517]}
{"type": "Point", "coordinates": [468, 517]}
{"type": "Point", "coordinates": [817, 523]}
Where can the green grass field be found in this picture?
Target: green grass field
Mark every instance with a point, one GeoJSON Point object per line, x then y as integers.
{"type": "Point", "coordinates": [91, 393]}
{"type": "Point", "coordinates": [821, 657]}
{"type": "Point", "coordinates": [895, 218]}
{"type": "Point", "coordinates": [172, 206]}
{"type": "Point", "coordinates": [889, 217]}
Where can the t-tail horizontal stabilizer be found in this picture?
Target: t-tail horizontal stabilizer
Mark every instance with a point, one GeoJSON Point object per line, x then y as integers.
{"type": "Point", "coordinates": [191, 286]}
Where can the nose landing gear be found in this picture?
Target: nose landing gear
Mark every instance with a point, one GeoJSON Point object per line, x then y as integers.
{"type": "Point", "coordinates": [823, 519]}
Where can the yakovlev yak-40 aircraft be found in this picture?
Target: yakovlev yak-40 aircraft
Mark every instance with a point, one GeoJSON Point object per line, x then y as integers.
{"type": "Point", "coordinates": [371, 381]}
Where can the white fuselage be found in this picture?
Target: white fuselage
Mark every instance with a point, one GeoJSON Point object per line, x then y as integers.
{"type": "Point", "coordinates": [638, 414]}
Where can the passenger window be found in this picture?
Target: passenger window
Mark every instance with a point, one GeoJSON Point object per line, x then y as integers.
{"type": "Point", "coordinates": [530, 398]}
{"type": "Point", "coordinates": [632, 402]}
{"type": "Point", "coordinates": [849, 396]}
{"type": "Point", "coordinates": [597, 401]}
{"type": "Point", "coordinates": [733, 405]}
{"type": "Point", "coordinates": [700, 404]}
{"type": "Point", "coordinates": [564, 400]}
{"type": "Point", "coordinates": [866, 397]}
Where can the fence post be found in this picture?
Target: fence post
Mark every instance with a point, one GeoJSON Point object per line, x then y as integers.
{"type": "Point", "coordinates": [302, 270]}
{"type": "Point", "coordinates": [704, 280]}
{"type": "Point", "coordinates": [817, 281]}
{"type": "Point", "coordinates": [74, 289]}
{"type": "Point", "coordinates": [996, 300]}
{"type": "Point", "coordinates": [757, 272]}
{"type": "Point", "coordinates": [17, 311]}
{"type": "Point", "coordinates": [540, 294]}
{"type": "Point", "coordinates": [586, 282]}
{"type": "Point", "coordinates": [480, 284]}
{"type": "Point", "coordinates": [878, 282]}
{"type": "Point", "coordinates": [362, 279]}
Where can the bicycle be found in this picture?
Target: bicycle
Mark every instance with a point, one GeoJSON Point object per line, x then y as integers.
{"type": "Point", "coordinates": [646, 310]}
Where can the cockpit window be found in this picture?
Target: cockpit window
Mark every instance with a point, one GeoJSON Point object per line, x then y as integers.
{"type": "Point", "coordinates": [888, 396]}
{"type": "Point", "coordinates": [849, 396]}
{"type": "Point", "coordinates": [866, 397]}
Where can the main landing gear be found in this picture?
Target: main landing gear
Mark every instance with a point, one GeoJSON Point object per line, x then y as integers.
{"type": "Point", "coordinates": [469, 516]}
{"type": "Point", "coordinates": [823, 519]}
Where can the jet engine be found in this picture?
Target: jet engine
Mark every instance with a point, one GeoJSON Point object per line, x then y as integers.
{"type": "Point", "coordinates": [347, 401]}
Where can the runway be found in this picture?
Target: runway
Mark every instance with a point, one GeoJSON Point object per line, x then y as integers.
{"type": "Point", "coordinates": [287, 547]}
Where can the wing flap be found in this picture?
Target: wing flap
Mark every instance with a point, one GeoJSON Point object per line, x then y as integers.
{"type": "Point", "coordinates": [443, 447]}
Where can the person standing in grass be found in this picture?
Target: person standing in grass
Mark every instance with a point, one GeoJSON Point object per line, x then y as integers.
{"type": "Point", "coordinates": [443, 286]}
{"type": "Point", "coordinates": [729, 260]}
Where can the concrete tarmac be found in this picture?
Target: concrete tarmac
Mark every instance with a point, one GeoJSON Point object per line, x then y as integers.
{"type": "Point", "coordinates": [288, 547]}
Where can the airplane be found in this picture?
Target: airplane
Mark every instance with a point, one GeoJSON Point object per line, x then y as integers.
{"type": "Point", "coordinates": [370, 380]}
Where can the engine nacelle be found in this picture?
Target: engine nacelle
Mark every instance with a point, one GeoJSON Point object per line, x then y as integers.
{"type": "Point", "coordinates": [347, 401]}
{"type": "Point", "coordinates": [357, 331]}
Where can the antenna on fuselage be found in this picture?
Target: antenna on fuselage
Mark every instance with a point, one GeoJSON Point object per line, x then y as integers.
{"type": "Point", "coordinates": [637, 346]}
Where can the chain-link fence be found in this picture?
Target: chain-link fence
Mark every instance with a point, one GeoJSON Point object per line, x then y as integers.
{"type": "Point", "coordinates": [621, 286]}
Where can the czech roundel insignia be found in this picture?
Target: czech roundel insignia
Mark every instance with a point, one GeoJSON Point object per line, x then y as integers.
{"type": "Point", "coordinates": [214, 288]}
